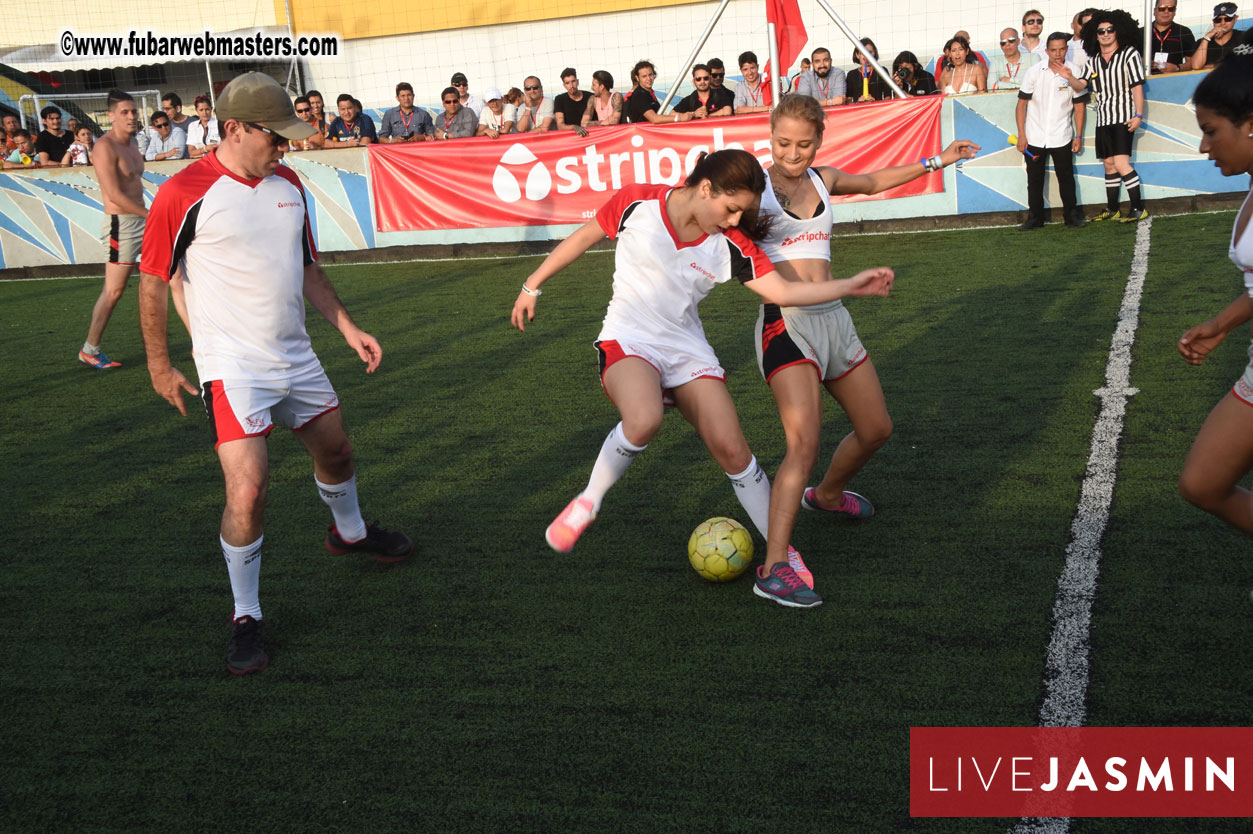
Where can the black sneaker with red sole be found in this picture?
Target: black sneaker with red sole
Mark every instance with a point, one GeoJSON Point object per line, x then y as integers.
{"type": "Point", "coordinates": [383, 545]}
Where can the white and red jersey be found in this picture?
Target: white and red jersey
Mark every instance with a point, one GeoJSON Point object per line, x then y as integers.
{"type": "Point", "coordinates": [658, 281]}
{"type": "Point", "coordinates": [243, 245]}
{"type": "Point", "coordinates": [794, 239]}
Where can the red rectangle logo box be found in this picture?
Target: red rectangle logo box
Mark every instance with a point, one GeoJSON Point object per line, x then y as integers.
{"type": "Point", "coordinates": [1081, 772]}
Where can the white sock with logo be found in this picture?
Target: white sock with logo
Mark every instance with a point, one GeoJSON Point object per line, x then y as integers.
{"type": "Point", "coordinates": [342, 499]}
{"type": "Point", "coordinates": [752, 487]}
{"type": "Point", "coordinates": [244, 566]}
{"type": "Point", "coordinates": [616, 454]}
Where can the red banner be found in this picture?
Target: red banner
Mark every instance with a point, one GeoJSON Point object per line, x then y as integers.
{"type": "Point", "coordinates": [1081, 771]}
{"type": "Point", "coordinates": [558, 177]}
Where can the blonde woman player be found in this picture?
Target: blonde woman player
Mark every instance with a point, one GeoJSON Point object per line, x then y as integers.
{"type": "Point", "coordinates": [1222, 453]}
{"type": "Point", "coordinates": [803, 350]}
{"type": "Point", "coordinates": [674, 246]}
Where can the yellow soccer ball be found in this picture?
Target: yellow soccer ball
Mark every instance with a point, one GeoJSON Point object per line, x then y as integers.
{"type": "Point", "coordinates": [720, 549]}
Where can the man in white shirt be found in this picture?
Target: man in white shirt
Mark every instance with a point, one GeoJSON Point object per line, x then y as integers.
{"type": "Point", "coordinates": [234, 227]}
{"type": "Point", "coordinates": [1075, 53]}
{"type": "Point", "coordinates": [536, 112]}
{"type": "Point", "coordinates": [1050, 123]}
{"type": "Point", "coordinates": [1032, 29]}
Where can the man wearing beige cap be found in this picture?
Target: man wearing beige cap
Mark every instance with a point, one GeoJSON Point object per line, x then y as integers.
{"type": "Point", "coordinates": [233, 227]}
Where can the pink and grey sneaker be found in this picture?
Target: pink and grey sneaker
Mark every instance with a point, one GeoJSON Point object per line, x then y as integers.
{"type": "Point", "coordinates": [798, 564]}
{"type": "Point", "coordinates": [783, 586]}
{"type": "Point", "coordinates": [567, 527]}
{"type": "Point", "coordinates": [851, 505]}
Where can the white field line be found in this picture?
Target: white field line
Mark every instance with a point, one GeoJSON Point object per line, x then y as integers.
{"type": "Point", "coordinates": [1067, 661]}
{"type": "Point", "coordinates": [597, 251]}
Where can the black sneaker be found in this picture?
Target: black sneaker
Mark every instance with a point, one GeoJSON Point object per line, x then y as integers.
{"type": "Point", "coordinates": [386, 545]}
{"type": "Point", "coordinates": [244, 652]}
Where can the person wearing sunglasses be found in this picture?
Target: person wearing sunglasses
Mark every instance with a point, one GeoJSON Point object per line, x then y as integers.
{"type": "Point", "coordinates": [701, 102]}
{"type": "Point", "coordinates": [717, 74]}
{"type": "Point", "coordinates": [1171, 45]}
{"type": "Point", "coordinates": [468, 99]}
{"type": "Point", "coordinates": [456, 122]}
{"type": "Point", "coordinates": [233, 229]}
{"type": "Point", "coordinates": [1217, 43]}
{"type": "Point", "coordinates": [536, 113]}
{"type": "Point", "coordinates": [1116, 82]}
{"type": "Point", "coordinates": [168, 141]}
{"type": "Point", "coordinates": [723, 96]}
{"type": "Point", "coordinates": [1032, 29]}
{"type": "Point", "coordinates": [1005, 70]}
{"type": "Point", "coordinates": [306, 114]}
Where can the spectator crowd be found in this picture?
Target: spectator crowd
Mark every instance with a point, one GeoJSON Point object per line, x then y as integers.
{"type": "Point", "coordinates": [959, 69]}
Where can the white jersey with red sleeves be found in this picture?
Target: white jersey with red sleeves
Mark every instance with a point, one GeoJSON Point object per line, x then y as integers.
{"type": "Point", "coordinates": [243, 246]}
{"type": "Point", "coordinates": [658, 280]}
{"type": "Point", "coordinates": [791, 238]}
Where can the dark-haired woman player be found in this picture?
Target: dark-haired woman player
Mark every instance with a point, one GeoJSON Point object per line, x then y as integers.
{"type": "Point", "coordinates": [674, 246]}
{"type": "Point", "coordinates": [1222, 453]}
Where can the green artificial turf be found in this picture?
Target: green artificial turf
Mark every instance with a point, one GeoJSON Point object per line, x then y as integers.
{"type": "Point", "coordinates": [492, 685]}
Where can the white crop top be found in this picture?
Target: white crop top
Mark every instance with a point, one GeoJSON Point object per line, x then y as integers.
{"type": "Point", "coordinates": [791, 238]}
{"type": "Point", "coordinates": [1240, 251]}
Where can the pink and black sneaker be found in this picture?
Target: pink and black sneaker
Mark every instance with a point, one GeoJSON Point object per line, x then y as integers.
{"type": "Point", "coordinates": [851, 506]}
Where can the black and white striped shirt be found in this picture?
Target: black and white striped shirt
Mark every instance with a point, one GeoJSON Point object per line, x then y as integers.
{"type": "Point", "coordinates": [1110, 82]}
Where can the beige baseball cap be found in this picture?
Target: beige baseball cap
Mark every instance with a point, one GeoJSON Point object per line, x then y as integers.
{"type": "Point", "coordinates": [256, 97]}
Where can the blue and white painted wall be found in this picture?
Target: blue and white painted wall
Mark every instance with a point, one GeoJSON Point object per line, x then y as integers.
{"type": "Point", "coordinates": [55, 216]}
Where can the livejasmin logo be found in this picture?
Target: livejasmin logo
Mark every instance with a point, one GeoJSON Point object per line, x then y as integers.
{"type": "Point", "coordinates": [601, 172]}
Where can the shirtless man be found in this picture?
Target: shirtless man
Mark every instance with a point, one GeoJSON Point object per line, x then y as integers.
{"type": "Point", "coordinates": [119, 169]}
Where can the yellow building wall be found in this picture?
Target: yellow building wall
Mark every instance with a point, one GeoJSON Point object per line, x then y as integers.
{"type": "Point", "coordinates": [375, 18]}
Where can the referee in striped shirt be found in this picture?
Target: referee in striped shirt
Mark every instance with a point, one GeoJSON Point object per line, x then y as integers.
{"type": "Point", "coordinates": [1116, 82]}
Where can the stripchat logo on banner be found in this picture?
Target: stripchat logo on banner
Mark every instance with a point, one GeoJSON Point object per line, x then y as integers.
{"type": "Point", "coordinates": [559, 177]}
{"type": "Point", "coordinates": [515, 160]}
{"type": "Point", "coordinates": [1081, 772]}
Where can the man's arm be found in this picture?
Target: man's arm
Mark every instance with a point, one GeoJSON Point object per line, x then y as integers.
{"type": "Point", "coordinates": [320, 293]}
{"type": "Point", "coordinates": [1137, 95]}
{"type": "Point", "coordinates": [1081, 112]}
{"type": "Point", "coordinates": [153, 312]}
{"type": "Point", "coordinates": [1020, 119]}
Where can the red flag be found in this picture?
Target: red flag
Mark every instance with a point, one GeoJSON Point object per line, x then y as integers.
{"type": "Point", "coordinates": [789, 30]}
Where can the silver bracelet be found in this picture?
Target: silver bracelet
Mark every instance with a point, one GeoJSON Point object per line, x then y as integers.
{"type": "Point", "coordinates": [531, 292]}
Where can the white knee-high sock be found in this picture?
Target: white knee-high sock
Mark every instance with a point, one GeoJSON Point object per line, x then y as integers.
{"type": "Point", "coordinates": [616, 454]}
{"type": "Point", "coordinates": [752, 487]}
{"type": "Point", "coordinates": [342, 499]}
{"type": "Point", "coordinates": [244, 566]}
